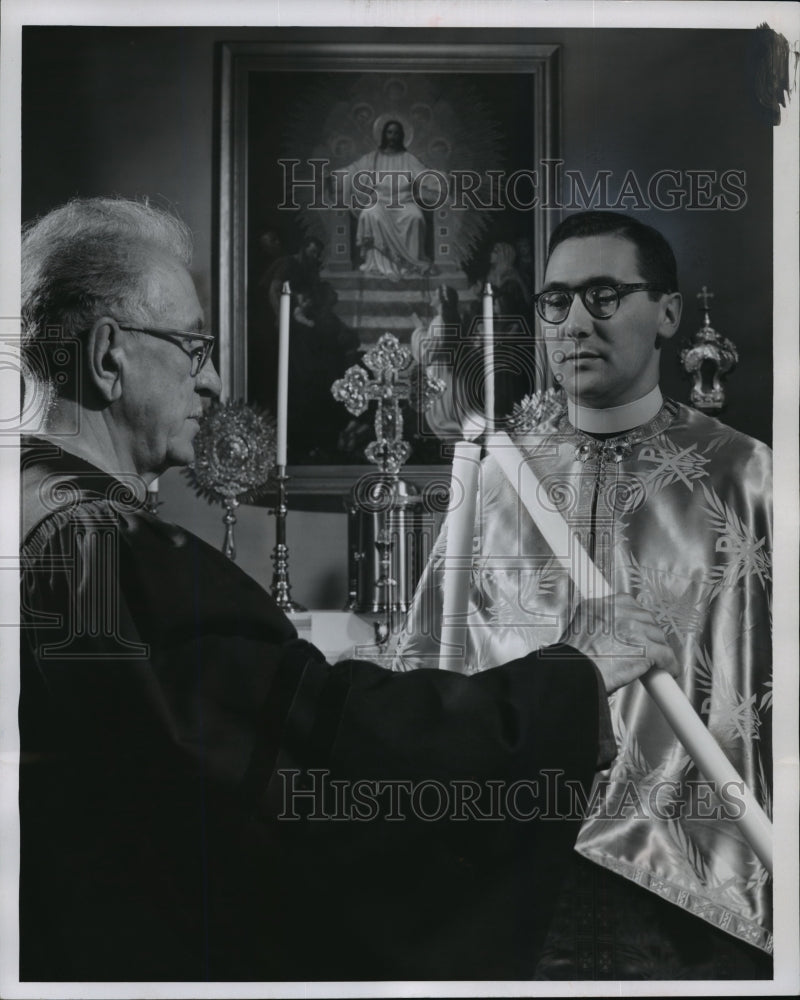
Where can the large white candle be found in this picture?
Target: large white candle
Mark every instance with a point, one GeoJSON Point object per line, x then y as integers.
{"type": "Point", "coordinates": [283, 373]}
{"type": "Point", "coordinates": [661, 686]}
{"type": "Point", "coordinates": [488, 354]}
{"type": "Point", "coordinates": [458, 554]}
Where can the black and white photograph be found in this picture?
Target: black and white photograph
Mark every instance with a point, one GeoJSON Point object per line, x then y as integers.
{"type": "Point", "coordinates": [392, 588]}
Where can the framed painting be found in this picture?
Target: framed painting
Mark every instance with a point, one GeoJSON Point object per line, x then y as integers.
{"type": "Point", "coordinates": [307, 133]}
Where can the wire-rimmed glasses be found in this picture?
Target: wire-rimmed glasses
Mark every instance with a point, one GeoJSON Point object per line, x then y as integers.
{"type": "Point", "coordinates": [199, 356]}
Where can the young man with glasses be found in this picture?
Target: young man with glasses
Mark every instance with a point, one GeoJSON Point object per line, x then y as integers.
{"type": "Point", "coordinates": [609, 302]}
{"type": "Point", "coordinates": [675, 508]}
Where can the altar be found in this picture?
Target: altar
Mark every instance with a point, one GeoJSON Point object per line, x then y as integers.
{"type": "Point", "coordinates": [340, 634]}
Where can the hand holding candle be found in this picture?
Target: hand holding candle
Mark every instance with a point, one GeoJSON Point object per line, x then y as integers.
{"type": "Point", "coordinates": [662, 688]}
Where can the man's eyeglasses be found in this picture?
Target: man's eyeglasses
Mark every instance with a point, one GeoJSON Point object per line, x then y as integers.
{"type": "Point", "coordinates": [199, 355]}
{"type": "Point", "coordinates": [602, 301]}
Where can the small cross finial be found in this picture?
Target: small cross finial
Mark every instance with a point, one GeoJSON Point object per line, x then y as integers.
{"type": "Point", "coordinates": [705, 296]}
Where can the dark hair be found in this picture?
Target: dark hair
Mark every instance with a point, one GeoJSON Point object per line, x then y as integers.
{"type": "Point", "coordinates": [399, 124]}
{"type": "Point", "coordinates": [510, 294]}
{"type": "Point", "coordinates": [448, 297]}
{"type": "Point", "coordinates": [654, 255]}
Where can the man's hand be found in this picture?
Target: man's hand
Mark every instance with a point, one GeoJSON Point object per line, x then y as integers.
{"type": "Point", "coordinates": [621, 637]}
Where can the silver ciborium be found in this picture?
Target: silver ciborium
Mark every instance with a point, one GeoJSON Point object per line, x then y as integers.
{"type": "Point", "coordinates": [234, 458]}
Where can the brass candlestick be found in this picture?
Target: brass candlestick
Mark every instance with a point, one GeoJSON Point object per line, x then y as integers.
{"type": "Point", "coordinates": [281, 588]}
{"type": "Point", "coordinates": [229, 519]}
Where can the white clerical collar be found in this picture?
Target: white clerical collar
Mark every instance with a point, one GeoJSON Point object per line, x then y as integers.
{"type": "Point", "coordinates": [615, 419]}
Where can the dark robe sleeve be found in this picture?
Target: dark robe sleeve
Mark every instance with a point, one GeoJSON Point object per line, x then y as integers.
{"type": "Point", "coordinates": [426, 817]}
{"type": "Point", "coordinates": [371, 722]}
{"type": "Point", "coordinates": [163, 756]}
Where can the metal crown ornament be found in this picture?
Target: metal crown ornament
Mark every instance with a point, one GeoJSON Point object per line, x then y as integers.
{"type": "Point", "coordinates": [707, 358]}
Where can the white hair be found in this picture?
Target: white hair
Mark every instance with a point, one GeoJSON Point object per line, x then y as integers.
{"type": "Point", "coordinates": [89, 258]}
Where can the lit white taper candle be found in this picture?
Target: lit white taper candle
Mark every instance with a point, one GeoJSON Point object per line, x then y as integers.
{"type": "Point", "coordinates": [283, 373]}
{"type": "Point", "coordinates": [661, 686]}
{"type": "Point", "coordinates": [488, 354]}
{"type": "Point", "coordinates": [458, 554]}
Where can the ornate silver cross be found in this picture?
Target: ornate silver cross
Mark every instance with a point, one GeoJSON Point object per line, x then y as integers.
{"type": "Point", "coordinates": [396, 380]}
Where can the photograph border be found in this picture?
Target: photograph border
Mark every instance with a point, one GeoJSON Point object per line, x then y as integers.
{"type": "Point", "coordinates": [786, 379]}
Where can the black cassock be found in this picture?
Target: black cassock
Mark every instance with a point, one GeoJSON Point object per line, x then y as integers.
{"type": "Point", "coordinates": [202, 797]}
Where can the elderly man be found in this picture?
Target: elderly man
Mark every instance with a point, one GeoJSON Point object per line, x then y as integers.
{"type": "Point", "coordinates": [201, 795]}
{"type": "Point", "coordinates": [674, 508]}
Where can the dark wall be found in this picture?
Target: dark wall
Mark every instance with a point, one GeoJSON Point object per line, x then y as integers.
{"type": "Point", "coordinates": [682, 100]}
{"type": "Point", "coordinates": [120, 111]}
